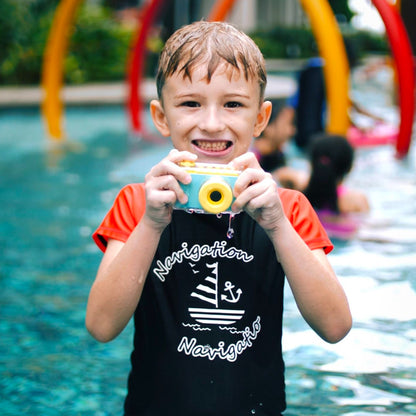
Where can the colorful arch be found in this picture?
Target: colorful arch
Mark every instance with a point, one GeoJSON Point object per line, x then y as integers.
{"type": "Point", "coordinates": [325, 30]}
{"type": "Point", "coordinates": [52, 76]}
{"type": "Point", "coordinates": [403, 57]}
{"type": "Point", "coordinates": [53, 63]}
{"type": "Point", "coordinates": [331, 47]}
{"type": "Point", "coordinates": [136, 65]}
{"type": "Point", "coordinates": [220, 10]}
{"type": "Point", "coordinates": [336, 70]}
{"type": "Point", "coordinates": [136, 62]}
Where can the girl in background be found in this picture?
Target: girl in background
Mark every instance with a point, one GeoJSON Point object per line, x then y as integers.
{"type": "Point", "coordinates": [331, 158]}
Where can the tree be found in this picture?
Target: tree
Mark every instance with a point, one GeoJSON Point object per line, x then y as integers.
{"type": "Point", "coordinates": [408, 11]}
{"type": "Point", "coordinates": [341, 8]}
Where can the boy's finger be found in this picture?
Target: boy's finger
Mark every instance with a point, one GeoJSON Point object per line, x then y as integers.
{"type": "Point", "coordinates": [169, 166]}
{"type": "Point", "coordinates": [249, 177]}
{"type": "Point", "coordinates": [176, 156]}
{"type": "Point", "coordinates": [245, 161]}
{"type": "Point", "coordinates": [167, 188]}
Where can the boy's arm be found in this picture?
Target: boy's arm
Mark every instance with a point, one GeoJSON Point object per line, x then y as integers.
{"type": "Point", "coordinates": [119, 282]}
{"type": "Point", "coordinates": [118, 285]}
{"type": "Point", "coordinates": [317, 291]}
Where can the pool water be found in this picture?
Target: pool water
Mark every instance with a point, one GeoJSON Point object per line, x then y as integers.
{"type": "Point", "coordinates": [53, 198]}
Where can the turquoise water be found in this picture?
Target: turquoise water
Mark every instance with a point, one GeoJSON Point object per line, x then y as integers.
{"type": "Point", "coordinates": [52, 199]}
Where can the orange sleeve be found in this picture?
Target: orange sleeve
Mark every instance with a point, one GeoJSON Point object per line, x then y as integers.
{"type": "Point", "coordinates": [122, 218]}
{"type": "Point", "coordinates": [305, 220]}
{"type": "Point", "coordinates": [129, 207]}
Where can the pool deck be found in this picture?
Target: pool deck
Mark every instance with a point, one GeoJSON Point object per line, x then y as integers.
{"type": "Point", "coordinates": [113, 93]}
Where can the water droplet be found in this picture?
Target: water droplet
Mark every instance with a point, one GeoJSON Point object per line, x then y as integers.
{"type": "Point", "coordinates": [230, 231]}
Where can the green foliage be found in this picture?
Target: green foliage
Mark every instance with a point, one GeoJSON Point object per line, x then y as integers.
{"type": "Point", "coordinates": [98, 46]}
{"type": "Point", "coordinates": [283, 42]}
{"type": "Point", "coordinates": [341, 8]}
{"type": "Point", "coordinates": [98, 49]}
{"type": "Point", "coordinates": [367, 42]}
{"type": "Point", "coordinates": [24, 28]}
{"type": "Point", "coordinates": [300, 43]}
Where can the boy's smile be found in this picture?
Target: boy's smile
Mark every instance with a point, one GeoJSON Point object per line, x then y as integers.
{"type": "Point", "coordinates": [214, 119]}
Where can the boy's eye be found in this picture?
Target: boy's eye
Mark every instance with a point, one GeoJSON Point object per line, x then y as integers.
{"type": "Point", "coordinates": [233, 104]}
{"type": "Point", "coordinates": [190, 104]}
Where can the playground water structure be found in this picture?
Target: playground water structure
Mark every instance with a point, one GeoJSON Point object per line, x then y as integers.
{"type": "Point", "coordinates": [53, 197]}
{"type": "Point", "coordinates": [324, 28]}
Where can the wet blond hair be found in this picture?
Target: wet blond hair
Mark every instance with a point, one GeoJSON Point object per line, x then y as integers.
{"type": "Point", "coordinates": [210, 43]}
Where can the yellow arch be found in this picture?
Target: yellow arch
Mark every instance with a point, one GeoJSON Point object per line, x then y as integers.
{"type": "Point", "coordinates": [53, 62]}
{"type": "Point", "coordinates": [323, 24]}
{"type": "Point", "coordinates": [336, 70]}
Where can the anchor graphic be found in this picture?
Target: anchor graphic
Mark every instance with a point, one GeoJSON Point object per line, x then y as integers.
{"type": "Point", "coordinates": [208, 291]}
{"type": "Point", "coordinates": [229, 287]}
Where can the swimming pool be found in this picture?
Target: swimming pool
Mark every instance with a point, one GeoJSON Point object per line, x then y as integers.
{"type": "Point", "coordinates": [51, 202]}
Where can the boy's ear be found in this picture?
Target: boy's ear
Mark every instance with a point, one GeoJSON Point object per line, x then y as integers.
{"type": "Point", "coordinates": [263, 117]}
{"type": "Point", "coordinates": [159, 118]}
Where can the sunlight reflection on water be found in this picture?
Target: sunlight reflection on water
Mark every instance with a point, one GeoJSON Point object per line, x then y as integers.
{"type": "Point", "coordinates": [49, 263]}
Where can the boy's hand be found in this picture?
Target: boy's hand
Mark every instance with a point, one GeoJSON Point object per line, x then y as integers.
{"type": "Point", "coordinates": [163, 189]}
{"type": "Point", "coordinates": [256, 193]}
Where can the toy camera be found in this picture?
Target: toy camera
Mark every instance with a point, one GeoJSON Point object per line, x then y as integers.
{"type": "Point", "coordinates": [211, 188]}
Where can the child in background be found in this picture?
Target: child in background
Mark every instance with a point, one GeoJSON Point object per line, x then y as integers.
{"type": "Point", "coordinates": [269, 146]}
{"type": "Point", "coordinates": [309, 101]}
{"type": "Point", "coordinates": [208, 306]}
{"type": "Point", "coordinates": [331, 158]}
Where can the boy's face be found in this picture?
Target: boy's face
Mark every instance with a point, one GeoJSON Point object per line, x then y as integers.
{"type": "Point", "coordinates": [216, 120]}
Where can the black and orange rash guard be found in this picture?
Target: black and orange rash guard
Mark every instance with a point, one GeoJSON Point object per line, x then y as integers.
{"type": "Point", "coordinates": [208, 325]}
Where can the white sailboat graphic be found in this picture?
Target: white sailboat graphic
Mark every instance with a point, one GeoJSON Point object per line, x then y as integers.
{"type": "Point", "coordinates": [208, 292]}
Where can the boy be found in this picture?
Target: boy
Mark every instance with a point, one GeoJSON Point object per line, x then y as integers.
{"type": "Point", "coordinates": [207, 307]}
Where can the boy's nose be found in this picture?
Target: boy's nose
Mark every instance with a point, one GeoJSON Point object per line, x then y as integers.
{"type": "Point", "coordinates": [211, 120]}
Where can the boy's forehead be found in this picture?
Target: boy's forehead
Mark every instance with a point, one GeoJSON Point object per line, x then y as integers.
{"type": "Point", "coordinates": [226, 78]}
{"type": "Point", "coordinates": [201, 72]}
{"type": "Point", "coordinates": [229, 80]}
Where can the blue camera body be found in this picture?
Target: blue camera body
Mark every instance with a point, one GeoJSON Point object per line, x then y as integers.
{"type": "Point", "coordinates": [211, 188]}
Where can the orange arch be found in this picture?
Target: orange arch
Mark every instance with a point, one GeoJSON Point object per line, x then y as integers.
{"type": "Point", "coordinates": [53, 62]}
{"type": "Point", "coordinates": [58, 39]}
{"type": "Point", "coordinates": [331, 48]}
{"type": "Point", "coordinates": [220, 10]}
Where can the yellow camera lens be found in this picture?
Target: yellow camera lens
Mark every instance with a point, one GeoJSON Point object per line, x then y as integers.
{"type": "Point", "coordinates": [215, 196]}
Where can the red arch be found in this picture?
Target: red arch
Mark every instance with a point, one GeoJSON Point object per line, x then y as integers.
{"type": "Point", "coordinates": [136, 61]}
{"type": "Point", "coordinates": [219, 12]}
{"type": "Point", "coordinates": [136, 64]}
{"type": "Point", "coordinates": [403, 57]}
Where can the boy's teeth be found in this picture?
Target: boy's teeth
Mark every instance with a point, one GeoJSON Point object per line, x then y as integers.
{"type": "Point", "coordinates": [211, 146]}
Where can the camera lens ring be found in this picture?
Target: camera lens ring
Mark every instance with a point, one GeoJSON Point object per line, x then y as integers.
{"type": "Point", "coordinates": [211, 187]}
